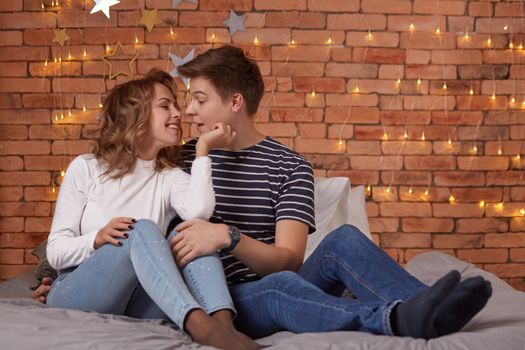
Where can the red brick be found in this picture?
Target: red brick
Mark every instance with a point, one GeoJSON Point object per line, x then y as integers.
{"type": "Point", "coordinates": [71, 147]}
{"type": "Point", "coordinates": [393, 6]}
{"type": "Point", "coordinates": [24, 147]}
{"type": "Point", "coordinates": [508, 270]}
{"type": "Point", "coordinates": [20, 209]}
{"type": "Point", "coordinates": [363, 148]}
{"type": "Point", "coordinates": [484, 255]}
{"type": "Point", "coordinates": [457, 241]}
{"type": "Point", "coordinates": [283, 129]}
{"type": "Point", "coordinates": [10, 193]}
{"type": "Point", "coordinates": [38, 224]}
{"type": "Point", "coordinates": [405, 209]}
{"type": "Point", "coordinates": [41, 193]}
{"type": "Point", "coordinates": [421, 23]}
{"type": "Point", "coordinates": [415, 71]}
{"type": "Point", "coordinates": [319, 85]}
{"type": "Point", "coordinates": [400, 240]}
{"type": "Point", "coordinates": [479, 9]}
{"type": "Point", "coordinates": [12, 256]}
{"type": "Point", "coordinates": [317, 37]}
{"type": "Point", "coordinates": [13, 132]}
{"type": "Point", "coordinates": [13, 178]}
{"type": "Point", "coordinates": [297, 69]}
{"type": "Point", "coordinates": [11, 163]}
{"type": "Point", "coordinates": [509, 9]}
{"type": "Point", "coordinates": [352, 115]}
{"type": "Point", "coordinates": [356, 22]}
{"type": "Point", "coordinates": [430, 162]}
{"type": "Point", "coordinates": [381, 225]}
{"type": "Point", "coordinates": [483, 163]}
{"type": "Point", "coordinates": [407, 177]}
{"type": "Point", "coordinates": [311, 130]}
{"type": "Point", "coordinates": [372, 39]}
{"type": "Point", "coordinates": [509, 240]}
{"type": "Point", "coordinates": [505, 178]}
{"type": "Point", "coordinates": [11, 224]}
{"type": "Point", "coordinates": [215, 5]}
{"type": "Point", "coordinates": [318, 146]}
{"type": "Point", "coordinates": [55, 132]}
{"type": "Point", "coordinates": [406, 147]}
{"type": "Point", "coordinates": [279, 5]}
{"type": "Point", "coordinates": [304, 115]}
{"type": "Point", "coordinates": [439, 7]}
{"type": "Point", "coordinates": [456, 210]}
{"type": "Point", "coordinates": [333, 6]}
{"type": "Point", "coordinates": [20, 20]}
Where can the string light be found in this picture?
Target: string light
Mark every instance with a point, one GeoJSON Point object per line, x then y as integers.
{"type": "Point", "coordinates": [471, 91]}
{"type": "Point", "coordinates": [329, 41]}
{"type": "Point", "coordinates": [356, 89]}
{"type": "Point", "coordinates": [500, 206]}
{"type": "Point", "coordinates": [513, 100]}
{"type": "Point", "coordinates": [108, 49]}
{"type": "Point", "coordinates": [84, 54]}
{"type": "Point", "coordinates": [518, 157]}
{"type": "Point", "coordinates": [398, 81]}
{"type": "Point", "coordinates": [389, 189]}
{"type": "Point", "coordinates": [466, 35]}
{"type": "Point", "coordinates": [213, 36]}
{"type": "Point", "coordinates": [426, 192]}
{"type": "Point", "coordinates": [42, 4]}
{"type": "Point", "coordinates": [385, 136]}
{"type": "Point", "coordinates": [405, 134]}
{"type": "Point", "coordinates": [411, 26]}
{"type": "Point", "coordinates": [475, 149]}
{"type": "Point", "coordinates": [69, 113]}
{"type": "Point", "coordinates": [256, 40]}
{"type": "Point", "coordinates": [499, 151]}
{"type": "Point", "coordinates": [45, 63]}
{"type": "Point", "coordinates": [418, 81]}
{"type": "Point", "coordinates": [493, 97]}
{"type": "Point", "coordinates": [340, 142]}
{"type": "Point", "coordinates": [511, 46]}
{"type": "Point", "coordinates": [136, 39]}
{"type": "Point", "coordinates": [369, 35]}
{"type": "Point", "coordinates": [506, 27]}
{"type": "Point", "coordinates": [452, 199]}
{"type": "Point", "coordinates": [489, 41]}
{"type": "Point", "coordinates": [482, 204]}
{"type": "Point", "coordinates": [368, 190]}
{"type": "Point", "coordinates": [423, 136]}
{"type": "Point", "coordinates": [171, 31]}
{"type": "Point", "coordinates": [53, 189]}
{"type": "Point", "coordinates": [444, 86]}
{"type": "Point", "coordinates": [62, 173]}
{"type": "Point", "coordinates": [522, 211]}
{"type": "Point", "coordinates": [84, 108]}
{"type": "Point", "coordinates": [312, 93]}
{"type": "Point", "coordinates": [438, 30]}
{"type": "Point", "coordinates": [69, 56]}
{"type": "Point", "coordinates": [292, 42]}
{"type": "Point", "coordinates": [449, 141]}
{"type": "Point", "coordinates": [410, 190]}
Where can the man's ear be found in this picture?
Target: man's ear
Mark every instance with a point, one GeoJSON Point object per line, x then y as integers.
{"type": "Point", "coordinates": [237, 101]}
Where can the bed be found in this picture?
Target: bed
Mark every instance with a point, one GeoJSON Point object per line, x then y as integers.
{"type": "Point", "coordinates": [27, 324]}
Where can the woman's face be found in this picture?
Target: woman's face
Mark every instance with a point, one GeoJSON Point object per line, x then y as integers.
{"type": "Point", "coordinates": [164, 125]}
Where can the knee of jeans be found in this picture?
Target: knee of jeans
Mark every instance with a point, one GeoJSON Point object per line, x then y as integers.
{"type": "Point", "coordinates": [344, 237]}
{"type": "Point", "coordinates": [281, 279]}
{"type": "Point", "coordinates": [145, 226]}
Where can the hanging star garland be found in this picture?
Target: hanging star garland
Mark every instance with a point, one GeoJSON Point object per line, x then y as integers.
{"type": "Point", "coordinates": [235, 22]}
{"type": "Point", "coordinates": [103, 5]}
{"type": "Point", "coordinates": [149, 18]}
{"type": "Point", "coordinates": [179, 61]}
{"type": "Point", "coordinates": [175, 3]}
{"type": "Point", "coordinates": [60, 36]}
{"type": "Point", "coordinates": [115, 59]}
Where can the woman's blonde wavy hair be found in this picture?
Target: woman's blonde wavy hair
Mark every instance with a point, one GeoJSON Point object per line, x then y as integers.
{"type": "Point", "coordinates": [124, 123]}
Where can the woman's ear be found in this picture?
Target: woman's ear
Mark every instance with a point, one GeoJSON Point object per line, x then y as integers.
{"type": "Point", "coordinates": [237, 102]}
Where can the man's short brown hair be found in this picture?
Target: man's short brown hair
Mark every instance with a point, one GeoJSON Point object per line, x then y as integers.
{"type": "Point", "coordinates": [229, 71]}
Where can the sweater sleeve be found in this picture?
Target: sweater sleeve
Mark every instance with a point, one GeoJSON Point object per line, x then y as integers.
{"type": "Point", "coordinates": [66, 246]}
{"type": "Point", "coordinates": [193, 196]}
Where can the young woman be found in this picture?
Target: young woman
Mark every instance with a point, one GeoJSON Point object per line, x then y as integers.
{"type": "Point", "coordinates": [114, 205]}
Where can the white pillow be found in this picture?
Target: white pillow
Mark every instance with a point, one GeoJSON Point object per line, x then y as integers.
{"type": "Point", "coordinates": [336, 204]}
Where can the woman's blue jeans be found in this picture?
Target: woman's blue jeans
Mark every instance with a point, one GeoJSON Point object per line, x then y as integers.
{"type": "Point", "coordinates": [310, 301]}
{"type": "Point", "coordinates": [134, 278]}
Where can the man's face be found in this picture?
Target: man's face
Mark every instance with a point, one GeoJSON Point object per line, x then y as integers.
{"type": "Point", "coordinates": [206, 106]}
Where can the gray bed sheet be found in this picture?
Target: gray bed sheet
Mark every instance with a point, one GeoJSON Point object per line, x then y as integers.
{"type": "Point", "coordinates": [26, 324]}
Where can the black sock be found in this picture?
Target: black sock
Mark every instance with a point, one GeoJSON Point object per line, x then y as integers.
{"type": "Point", "coordinates": [465, 301]}
{"type": "Point", "coordinates": [415, 317]}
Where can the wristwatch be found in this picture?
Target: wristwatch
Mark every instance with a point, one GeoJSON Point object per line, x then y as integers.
{"type": "Point", "coordinates": [235, 236]}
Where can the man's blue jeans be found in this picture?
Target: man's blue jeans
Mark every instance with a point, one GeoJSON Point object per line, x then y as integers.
{"type": "Point", "coordinates": [309, 301]}
{"type": "Point", "coordinates": [139, 275]}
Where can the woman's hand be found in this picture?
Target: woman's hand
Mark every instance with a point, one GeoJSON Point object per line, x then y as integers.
{"type": "Point", "coordinates": [220, 136]}
{"type": "Point", "coordinates": [196, 238]}
{"type": "Point", "coordinates": [114, 229]}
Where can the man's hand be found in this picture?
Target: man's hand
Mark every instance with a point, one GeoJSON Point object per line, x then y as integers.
{"type": "Point", "coordinates": [42, 291]}
{"type": "Point", "coordinates": [220, 136]}
{"type": "Point", "coordinates": [196, 238]}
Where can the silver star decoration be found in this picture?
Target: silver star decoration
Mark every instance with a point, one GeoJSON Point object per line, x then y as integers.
{"type": "Point", "coordinates": [175, 3]}
{"type": "Point", "coordinates": [235, 22]}
{"type": "Point", "coordinates": [178, 61]}
{"type": "Point", "coordinates": [103, 5]}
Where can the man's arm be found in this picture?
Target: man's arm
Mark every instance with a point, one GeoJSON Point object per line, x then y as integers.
{"type": "Point", "coordinates": [197, 238]}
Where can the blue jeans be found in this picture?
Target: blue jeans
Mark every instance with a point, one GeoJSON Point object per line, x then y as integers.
{"type": "Point", "coordinates": [139, 275]}
{"type": "Point", "coordinates": [309, 301]}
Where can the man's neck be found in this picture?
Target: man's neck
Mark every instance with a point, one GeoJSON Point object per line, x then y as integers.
{"type": "Point", "coordinates": [246, 135]}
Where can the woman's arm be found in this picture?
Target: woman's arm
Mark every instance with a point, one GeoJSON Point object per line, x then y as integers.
{"type": "Point", "coordinates": [65, 246]}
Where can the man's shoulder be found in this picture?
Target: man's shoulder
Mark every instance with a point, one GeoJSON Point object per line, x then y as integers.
{"type": "Point", "coordinates": [276, 149]}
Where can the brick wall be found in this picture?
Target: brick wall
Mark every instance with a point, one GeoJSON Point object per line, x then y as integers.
{"type": "Point", "coordinates": [421, 101]}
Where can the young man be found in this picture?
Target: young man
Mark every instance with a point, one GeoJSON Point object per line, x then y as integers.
{"type": "Point", "coordinates": [264, 212]}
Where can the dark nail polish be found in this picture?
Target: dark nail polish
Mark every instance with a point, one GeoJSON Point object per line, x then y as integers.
{"type": "Point", "coordinates": [126, 235]}
{"type": "Point", "coordinates": [131, 227]}
{"type": "Point", "coordinates": [119, 243]}
{"type": "Point", "coordinates": [133, 220]}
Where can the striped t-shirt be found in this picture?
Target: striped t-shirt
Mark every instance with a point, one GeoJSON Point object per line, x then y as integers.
{"type": "Point", "coordinates": [256, 187]}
